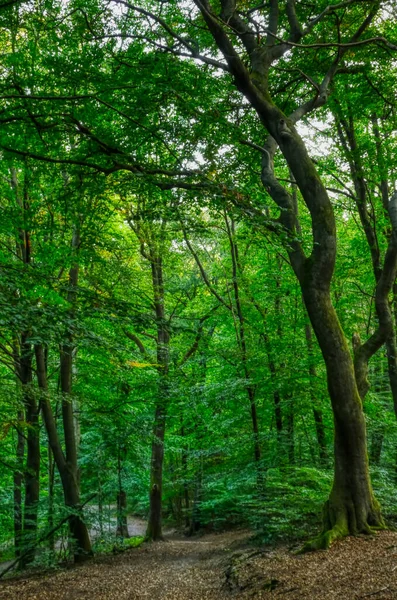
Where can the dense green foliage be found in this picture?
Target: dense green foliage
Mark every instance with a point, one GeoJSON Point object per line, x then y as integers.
{"type": "Point", "coordinates": [125, 145]}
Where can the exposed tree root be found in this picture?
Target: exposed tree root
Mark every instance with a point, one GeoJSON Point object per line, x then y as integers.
{"type": "Point", "coordinates": [324, 540]}
{"type": "Point", "coordinates": [341, 521]}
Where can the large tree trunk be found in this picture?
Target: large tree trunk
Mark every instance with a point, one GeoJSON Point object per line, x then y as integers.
{"type": "Point", "coordinates": [351, 507]}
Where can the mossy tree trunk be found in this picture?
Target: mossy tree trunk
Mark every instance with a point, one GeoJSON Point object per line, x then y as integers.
{"type": "Point", "coordinates": [351, 507]}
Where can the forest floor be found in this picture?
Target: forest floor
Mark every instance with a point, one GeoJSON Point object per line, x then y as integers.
{"type": "Point", "coordinates": [222, 566]}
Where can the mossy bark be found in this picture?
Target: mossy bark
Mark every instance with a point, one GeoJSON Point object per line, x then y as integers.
{"type": "Point", "coordinates": [351, 507]}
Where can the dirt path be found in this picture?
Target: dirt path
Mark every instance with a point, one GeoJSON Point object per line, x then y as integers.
{"type": "Point", "coordinates": [178, 569]}
{"type": "Point", "coordinates": [224, 566]}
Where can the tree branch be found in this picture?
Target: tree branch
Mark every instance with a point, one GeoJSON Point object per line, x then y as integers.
{"type": "Point", "coordinates": [137, 341]}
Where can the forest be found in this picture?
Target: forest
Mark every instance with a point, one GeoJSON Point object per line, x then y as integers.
{"type": "Point", "coordinates": [198, 292]}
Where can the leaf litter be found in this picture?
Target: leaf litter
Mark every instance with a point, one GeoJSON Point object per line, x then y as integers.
{"type": "Point", "coordinates": [223, 566]}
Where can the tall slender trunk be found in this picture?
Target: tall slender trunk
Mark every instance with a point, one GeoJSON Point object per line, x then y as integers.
{"type": "Point", "coordinates": [70, 473]}
{"type": "Point", "coordinates": [17, 484]}
{"type": "Point", "coordinates": [154, 528]}
{"type": "Point", "coordinates": [198, 462]}
{"type": "Point", "coordinates": [378, 428]}
{"type": "Point", "coordinates": [290, 428]}
{"type": "Point", "coordinates": [287, 440]}
{"type": "Point", "coordinates": [100, 507]}
{"type": "Point", "coordinates": [51, 490]}
{"type": "Point", "coordinates": [391, 350]}
{"type": "Point", "coordinates": [122, 525]}
{"type": "Point", "coordinates": [70, 485]}
{"type": "Point", "coordinates": [32, 467]}
{"type": "Point", "coordinates": [276, 393]}
{"type": "Point", "coordinates": [23, 366]}
{"type": "Point", "coordinates": [242, 343]}
{"type": "Point", "coordinates": [184, 461]}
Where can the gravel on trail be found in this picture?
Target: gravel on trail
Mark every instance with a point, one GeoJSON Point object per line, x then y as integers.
{"type": "Point", "coordinates": [223, 566]}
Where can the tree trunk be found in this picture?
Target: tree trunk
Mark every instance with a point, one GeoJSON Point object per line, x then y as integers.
{"type": "Point", "coordinates": [391, 349]}
{"type": "Point", "coordinates": [290, 426]}
{"type": "Point", "coordinates": [242, 344]}
{"type": "Point", "coordinates": [198, 461]}
{"type": "Point", "coordinates": [276, 394]}
{"type": "Point", "coordinates": [184, 461]}
{"type": "Point", "coordinates": [51, 482]}
{"type": "Point", "coordinates": [122, 526]}
{"type": "Point", "coordinates": [154, 529]}
{"type": "Point", "coordinates": [351, 507]}
{"type": "Point", "coordinates": [70, 473]}
{"type": "Point", "coordinates": [67, 472]}
{"type": "Point", "coordinates": [23, 369]}
{"type": "Point", "coordinates": [195, 522]}
{"type": "Point", "coordinates": [32, 468]}
{"type": "Point", "coordinates": [18, 482]}
{"type": "Point", "coordinates": [376, 445]}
